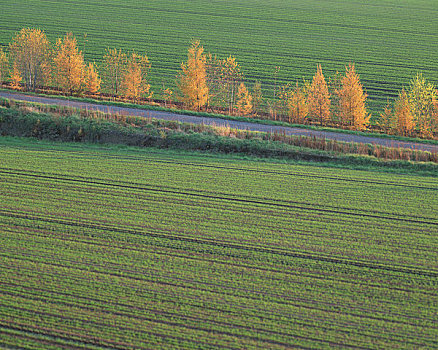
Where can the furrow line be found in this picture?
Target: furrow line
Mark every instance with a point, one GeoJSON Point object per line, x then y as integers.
{"type": "Point", "coordinates": [228, 262]}
{"type": "Point", "coordinates": [229, 294]}
{"type": "Point", "coordinates": [186, 317]}
{"type": "Point", "coordinates": [262, 171]}
{"type": "Point", "coordinates": [224, 198]}
{"type": "Point", "coordinates": [357, 263]}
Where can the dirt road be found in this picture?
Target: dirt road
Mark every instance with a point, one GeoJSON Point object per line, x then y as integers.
{"type": "Point", "coordinates": [219, 121]}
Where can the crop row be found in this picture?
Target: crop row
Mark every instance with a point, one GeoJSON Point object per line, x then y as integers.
{"type": "Point", "coordinates": [120, 187]}
{"type": "Point", "coordinates": [211, 292]}
{"type": "Point", "coordinates": [74, 154]}
{"type": "Point", "coordinates": [306, 189]}
{"type": "Point", "coordinates": [93, 274]}
{"type": "Point", "coordinates": [141, 242]}
{"type": "Point", "coordinates": [205, 213]}
{"type": "Point", "coordinates": [99, 250]}
{"type": "Point", "coordinates": [296, 232]}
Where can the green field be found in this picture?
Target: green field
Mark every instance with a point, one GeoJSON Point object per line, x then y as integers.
{"type": "Point", "coordinates": [106, 247]}
{"type": "Point", "coordinates": [389, 40]}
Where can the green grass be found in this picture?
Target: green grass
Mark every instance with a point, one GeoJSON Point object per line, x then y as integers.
{"type": "Point", "coordinates": [390, 41]}
{"type": "Point", "coordinates": [67, 125]}
{"type": "Point", "coordinates": [5, 101]}
{"type": "Point", "coordinates": [130, 248]}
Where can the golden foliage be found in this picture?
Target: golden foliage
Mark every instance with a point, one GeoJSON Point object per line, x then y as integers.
{"type": "Point", "coordinates": [69, 64]}
{"type": "Point", "coordinates": [15, 77]}
{"type": "Point", "coordinates": [134, 83]}
{"type": "Point", "coordinates": [167, 95]}
{"type": "Point", "coordinates": [284, 94]}
{"type": "Point", "coordinates": [193, 80]}
{"type": "Point", "coordinates": [30, 54]}
{"type": "Point", "coordinates": [319, 98]}
{"type": "Point", "coordinates": [4, 66]}
{"type": "Point", "coordinates": [435, 114]}
{"type": "Point", "coordinates": [244, 101]}
{"type": "Point", "coordinates": [92, 80]}
{"type": "Point", "coordinates": [403, 114]}
{"type": "Point", "coordinates": [223, 80]}
{"type": "Point", "coordinates": [352, 99]}
{"type": "Point", "coordinates": [297, 105]}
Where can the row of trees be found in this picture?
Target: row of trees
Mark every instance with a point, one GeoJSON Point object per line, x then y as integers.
{"type": "Point", "coordinates": [415, 109]}
{"type": "Point", "coordinates": [341, 101]}
{"type": "Point", "coordinates": [207, 81]}
{"type": "Point", "coordinates": [34, 63]}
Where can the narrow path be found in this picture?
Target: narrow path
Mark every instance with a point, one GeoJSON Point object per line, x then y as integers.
{"type": "Point", "coordinates": [222, 122]}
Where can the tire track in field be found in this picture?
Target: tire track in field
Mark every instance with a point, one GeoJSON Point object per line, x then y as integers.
{"type": "Point", "coordinates": [152, 274]}
{"type": "Point", "coordinates": [261, 171]}
{"type": "Point", "coordinates": [204, 329]}
{"type": "Point", "coordinates": [213, 292]}
{"type": "Point", "coordinates": [27, 336]}
{"type": "Point", "coordinates": [90, 302]}
{"type": "Point", "coordinates": [221, 226]}
{"type": "Point", "coordinates": [223, 167]}
{"type": "Point", "coordinates": [288, 173]}
{"type": "Point", "coordinates": [227, 197]}
{"type": "Point", "coordinates": [224, 244]}
{"type": "Point", "coordinates": [90, 340]}
{"type": "Point", "coordinates": [144, 197]}
{"type": "Point", "coordinates": [63, 335]}
{"type": "Point", "coordinates": [229, 293]}
{"type": "Point", "coordinates": [182, 317]}
{"type": "Point", "coordinates": [154, 320]}
{"type": "Point", "coordinates": [202, 258]}
{"type": "Point", "coordinates": [295, 302]}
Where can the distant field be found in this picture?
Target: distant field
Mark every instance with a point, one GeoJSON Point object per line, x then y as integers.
{"type": "Point", "coordinates": [390, 40]}
{"type": "Point", "coordinates": [124, 248]}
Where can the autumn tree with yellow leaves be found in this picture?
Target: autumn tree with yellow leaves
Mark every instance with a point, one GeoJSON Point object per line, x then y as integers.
{"type": "Point", "coordinates": [352, 98]}
{"type": "Point", "coordinates": [167, 95]}
{"type": "Point", "coordinates": [30, 57]}
{"type": "Point", "coordinates": [134, 83]}
{"type": "Point", "coordinates": [15, 77]}
{"type": "Point", "coordinates": [284, 94]}
{"type": "Point", "coordinates": [4, 66]}
{"type": "Point", "coordinates": [223, 79]}
{"type": "Point", "coordinates": [435, 114]}
{"type": "Point", "coordinates": [319, 98]}
{"type": "Point", "coordinates": [192, 81]}
{"type": "Point", "coordinates": [69, 64]}
{"type": "Point", "coordinates": [92, 80]}
{"type": "Point", "coordinates": [244, 101]}
{"type": "Point", "coordinates": [298, 108]}
{"type": "Point", "coordinates": [403, 114]}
